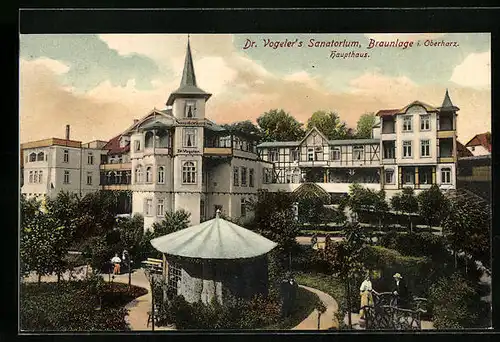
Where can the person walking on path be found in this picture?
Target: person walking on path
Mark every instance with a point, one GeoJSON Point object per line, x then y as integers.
{"type": "Point", "coordinates": [365, 292]}
{"type": "Point", "coordinates": [116, 260]}
{"type": "Point", "coordinates": [400, 291]}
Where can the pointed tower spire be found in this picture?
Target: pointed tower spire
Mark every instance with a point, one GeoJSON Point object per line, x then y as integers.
{"type": "Point", "coordinates": [188, 86]}
{"type": "Point", "coordinates": [447, 104]}
{"type": "Point", "coordinates": [188, 75]}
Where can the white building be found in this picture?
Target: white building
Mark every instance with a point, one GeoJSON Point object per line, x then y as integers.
{"type": "Point", "coordinates": [480, 144]}
{"type": "Point", "coordinates": [54, 165]}
{"type": "Point", "coordinates": [414, 146]}
{"type": "Point", "coordinates": [182, 160]}
{"type": "Point", "coordinates": [176, 158]}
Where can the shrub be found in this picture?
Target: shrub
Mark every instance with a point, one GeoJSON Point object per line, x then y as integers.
{"type": "Point", "coordinates": [454, 303]}
{"type": "Point", "coordinates": [417, 244]}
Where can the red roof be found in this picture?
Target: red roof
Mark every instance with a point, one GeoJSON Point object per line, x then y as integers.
{"type": "Point", "coordinates": [483, 139]}
{"type": "Point", "coordinates": [113, 146]}
{"type": "Point", "coordinates": [462, 151]}
{"type": "Point", "coordinates": [387, 112]}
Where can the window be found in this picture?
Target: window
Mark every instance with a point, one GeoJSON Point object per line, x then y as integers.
{"type": "Point", "coordinates": [30, 178]}
{"type": "Point", "coordinates": [66, 177]}
{"type": "Point", "coordinates": [408, 177]}
{"type": "Point", "coordinates": [174, 277]}
{"type": "Point", "coordinates": [119, 177]}
{"type": "Point", "coordinates": [243, 208]}
{"type": "Point", "coordinates": [243, 176]}
{"type": "Point", "coordinates": [35, 178]}
{"type": "Point", "coordinates": [159, 208]}
{"type": "Point", "coordinates": [310, 154]}
{"type": "Point", "coordinates": [137, 145]}
{"type": "Point", "coordinates": [33, 157]}
{"type": "Point", "coordinates": [190, 111]}
{"type": "Point", "coordinates": [335, 154]}
{"type": "Point", "coordinates": [446, 176]}
{"type": "Point", "coordinates": [189, 137]}
{"type": "Point", "coordinates": [40, 176]}
{"type": "Point", "coordinates": [425, 148]}
{"type": "Point", "coordinates": [39, 156]}
{"type": "Point", "coordinates": [425, 122]}
{"type": "Point", "coordinates": [407, 124]}
{"type": "Point", "coordinates": [407, 149]}
{"type": "Point", "coordinates": [161, 175]}
{"type": "Point", "coordinates": [148, 210]}
{"type": "Point", "coordinates": [357, 151]}
{"type": "Point", "coordinates": [90, 159]}
{"type": "Point", "coordinates": [472, 148]}
{"type": "Point", "coordinates": [424, 177]}
{"type": "Point", "coordinates": [66, 156]}
{"type": "Point", "coordinates": [389, 176]}
{"type": "Point", "coordinates": [294, 155]}
{"type": "Point", "coordinates": [149, 139]}
{"type": "Point", "coordinates": [236, 176]}
{"type": "Point", "coordinates": [250, 177]}
{"type": "Point", "coordinates": [149, 176]}
{"type": "Point", "coordinates": [388, 151]}
{"type": "Point", "coordinates": [189, 172]}
{"type": "Point", "coordinates": [273, 155]}
{"type": "Point", "coordinates": [89, 178]}
{"type": "Point", "coordinates": [138, 175]}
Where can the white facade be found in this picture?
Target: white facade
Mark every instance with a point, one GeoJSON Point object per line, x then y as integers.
{"type": "Point", "coordinates": [50, 168]}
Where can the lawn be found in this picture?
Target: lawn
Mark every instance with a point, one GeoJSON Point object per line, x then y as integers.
{"type": "Point", "coordinates": [74, 306]}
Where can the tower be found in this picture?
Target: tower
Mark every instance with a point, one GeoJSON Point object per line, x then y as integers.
{"type": "Point", "coordinates": [188, 107]}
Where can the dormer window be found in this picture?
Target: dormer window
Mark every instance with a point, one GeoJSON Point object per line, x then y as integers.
{"type": "Point", "coordinates": [407, 124]}
{"type": "Point", "coordinates": [137, 145]}
{"type": "Point", "coordinates": [190, 111]}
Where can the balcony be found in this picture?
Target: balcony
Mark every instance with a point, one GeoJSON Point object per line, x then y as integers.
{"type": "Point", "coordinates": [445, 133]}
{"type": "Point", "coordinates": [217, 151]}
{"type": "Point", "coordinates": [116, 166]}
{"type": "Point", "coordinates": [116, 187]}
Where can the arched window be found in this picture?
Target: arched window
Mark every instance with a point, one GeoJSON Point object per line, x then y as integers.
{"type": "Point", "coordinates": [32, 157]}
{"type": "Point", "coordinates": [111, 177]}
{"type": "Point", "coordinates": [40, 156]}
{"type": "Point", "coordinates": [189, 172]}
{"type": "Point", "coordinates": [149, 139]}
{"type": "Point", "coordinates": [138, 175]}
{"type": "Point", "coordinates": [149, 176]}
{"type": "Point", "coordinates": [161, 175]}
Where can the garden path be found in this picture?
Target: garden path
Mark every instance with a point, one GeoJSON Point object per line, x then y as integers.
{"type": "Point", "coordinates": [327, 319]}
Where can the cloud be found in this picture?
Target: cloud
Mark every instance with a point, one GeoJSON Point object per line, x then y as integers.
{"type": "Point", "coordinates": [57, 67]}
{"type": "Point", "coordinates": [242, 89]}
{"type": "Point", "coordinates": [474, 71]}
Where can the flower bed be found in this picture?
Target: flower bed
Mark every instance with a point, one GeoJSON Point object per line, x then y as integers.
{"type": "Point", "coordinates": [75, 306]}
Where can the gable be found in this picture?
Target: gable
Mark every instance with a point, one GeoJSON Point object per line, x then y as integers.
{"type": "Point", "coordinates": [314, 138]}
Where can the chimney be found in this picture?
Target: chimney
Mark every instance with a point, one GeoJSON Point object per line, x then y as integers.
{"type": "Point", "coordinates": [67, 132]}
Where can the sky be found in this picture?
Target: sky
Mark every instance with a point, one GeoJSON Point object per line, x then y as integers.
{"type": "Point", "coordinates": [98, 84]}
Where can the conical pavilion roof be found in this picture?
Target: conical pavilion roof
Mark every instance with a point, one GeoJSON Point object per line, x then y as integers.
{"type": "Point", "coordinates": [214, 239]}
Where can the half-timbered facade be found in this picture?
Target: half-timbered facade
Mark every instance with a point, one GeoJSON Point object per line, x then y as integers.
{"type": "Point", "coordinates": [410, 147]}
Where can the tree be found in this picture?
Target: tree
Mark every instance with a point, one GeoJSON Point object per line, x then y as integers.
{"type": "Point", "coordinates": [346, 258]}
{"type": "Point", "coordinates": [277, 125]}
{"type": "Point", "coordinates": [365, 125]}
{"type": "Point", "coordinates": [467, 229]}
{"type": "Point", "coordinates": [29, 209]}
{"type": "Point", "coordinates": [172, 222]}
{"type": "Point", "coordinates": [409, 204]}
{"type": "Point", "coordinates": [39, 245]}
{"type": "Point", "coordinates": [329, 124]}
{"type": "Point", "coordinates": [246, 127]}
{"type": "Point", "coordinates": [131, 233]}
{"type": "Point", "coordinates": [432, 205]}
{"type": "Point", "coordinates": [97, 214]}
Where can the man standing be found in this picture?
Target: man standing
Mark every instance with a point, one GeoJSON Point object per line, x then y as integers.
{"type": "Point", "coordinates": [400, 291]}
{"type": "Point", "coordinates": [116, 260]}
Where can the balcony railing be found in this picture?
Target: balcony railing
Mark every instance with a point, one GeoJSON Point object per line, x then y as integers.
{"type": "Point", "coordinates": [116, 166]}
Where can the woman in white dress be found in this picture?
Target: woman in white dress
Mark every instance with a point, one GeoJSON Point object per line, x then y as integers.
{"type": "Point", "coordinates": [365, 292]}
